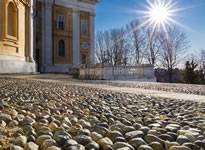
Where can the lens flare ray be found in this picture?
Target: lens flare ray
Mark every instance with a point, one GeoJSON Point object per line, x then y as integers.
{"type": "Point", "coordinates": [159, 14]}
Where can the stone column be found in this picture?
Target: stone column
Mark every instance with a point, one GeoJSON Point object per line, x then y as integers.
{"type": "Point", "coordinates": [27, 33]}
{"type": "Point", "coordinates": [76, 38]}
{"type": "Point", "coordinates": [92, 38]}
{"type": "Point", "coordinates": [31, 32]}
{"type": "Point", "coordinates": [46, 34]}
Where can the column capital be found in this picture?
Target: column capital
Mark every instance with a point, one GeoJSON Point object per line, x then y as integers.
{"type": "Point", "coordinates": [92, 14]}
{"type": "Point", "coordinates": [75, 11]}
{"type": "Point", "coordinates": [47, 4]}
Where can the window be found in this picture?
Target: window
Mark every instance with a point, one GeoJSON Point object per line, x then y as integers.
{"type": "Point", "coordinates": [83, 26]}
{"type": "Point", "coordinates": [60, 22]}
{"type": "Point", "coordinates": [61, 46]}
{"type": "Point", "coordinates": [84, 45]}
{"type": "Point", "coordinates": [12, 20]}
{"type": "Point", "coordinates": [84, 59]}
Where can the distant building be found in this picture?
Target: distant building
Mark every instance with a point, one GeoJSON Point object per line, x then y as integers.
{"type": "Point", "coordinates": [46, 35]}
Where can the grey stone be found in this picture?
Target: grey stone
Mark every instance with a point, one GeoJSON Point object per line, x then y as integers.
{"type": "Point", "coordinates": [31, 138]}
{"type": "Point", "coordinates": [21, 140]}
{"type": "Point", "coordinates": [124, 148]}
{"type": "Point", "coordinates": [137, 142]}
{"type": "Point", "coordinates": [75, 147]}
{"type": "Point", "coordinates": [144, 147]}
{"type": "Point", "coordinates": [100, 130]}
{"type": "Point", "coordinates": [16, 147]}
{"type": "Point", "coordinates": [119, 145]}
{"type": "Point", "coordinates": [92, 146]}
{"type": "Point", "coordinates": [151, 138]}
{"type": "Point", "coordinates": [192, 146]}
{"type": "Point", "coordinates": [156, 146]}
{"type": "Point", "coordinates": [170, 144]}
{"type": "Point", "coordinates": [61, 137]}
{"type": "Point", "coordinates": [166, 137]}
{"type": "Point", "coordinates": [182, 139]}
{"type": "Point", "coordinates": [83, 132]}
{"type": "Point", "coordinates": [47, 143]}
{"type": "Point", "coordinates": [200, 144]}
{"type": "Point", "coordinates": [134, 134]}
{"type": "Point", "coordinates": [69, 142]}
{"type": "Point", "coordinates": [96, 136]}
{"type": "Point", "coordinates": [30, 146]}
{"type": "Point", "coordinates": [83, 139]}
{"type": "Point", "coordinates": [119, 139]}
{"type": "Point", "coordinates": [179, 148]}
{"type": "Point", "coordinates": [5, 117]}
{"type": "Point", "coordinates": [13, 124]}
{"type": "Point", "coordinates": [44, 132]}
{"type": "Point", "coordinates": [28, 120]}
{"type": "Point", "coordinates": [41, 138]}
{"type": "Point", "coordinates": [104, 142]}
{"type": "Point", "coordinates": [53, 148]}
{"type": "Point", "coordinates": [2, 123]}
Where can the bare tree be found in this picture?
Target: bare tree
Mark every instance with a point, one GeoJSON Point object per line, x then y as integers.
{"type": "Point", "coordinates": [112, 47]}
{"type": "Point", "coordinates": [153, 45]}
{"type": "Point", "coordinates": [119, 45]}
{"type": "Point", "coordinates": [174, 45]}
{"type": "Point", "coordinates": [136, 39]}
{"type": "Point", "coordinates": [100, 46]}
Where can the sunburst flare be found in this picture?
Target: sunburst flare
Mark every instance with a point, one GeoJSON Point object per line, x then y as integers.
{"type": "Point", "coordinates": [159, 14]}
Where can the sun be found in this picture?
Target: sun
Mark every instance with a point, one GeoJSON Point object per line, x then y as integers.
{"type": "Point", "coordinates": [159, 14]}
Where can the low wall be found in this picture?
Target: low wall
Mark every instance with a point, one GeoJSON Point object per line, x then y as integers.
{"type": "Point", "coordinates": [108, 72]}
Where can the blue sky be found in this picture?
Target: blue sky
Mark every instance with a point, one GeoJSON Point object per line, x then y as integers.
{"type": "Point", "coordinates": [117, 13]}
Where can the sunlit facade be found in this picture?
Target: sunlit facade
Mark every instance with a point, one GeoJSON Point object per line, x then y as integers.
{"type": "Point", "coordinates": [46, 35]}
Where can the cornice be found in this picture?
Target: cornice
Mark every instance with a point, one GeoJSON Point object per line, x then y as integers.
{"type": "Point", "coordinates": [94, 2]}
{"type": "Point", "coordinates": [26, 2]}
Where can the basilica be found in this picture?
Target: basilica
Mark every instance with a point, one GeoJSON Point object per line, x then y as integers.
{"type": "Point", "coordinates": [46, 35]}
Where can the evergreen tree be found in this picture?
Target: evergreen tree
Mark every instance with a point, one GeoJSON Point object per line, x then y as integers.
{"type": "Point", "coordinates": [190, 75]}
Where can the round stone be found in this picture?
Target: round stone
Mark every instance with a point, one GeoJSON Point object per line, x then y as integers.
{"type": "Point", "coordinates": [5, 117]}
{"type": "Point", "coordinates": [151, 138]}
{"type": "Point", "coordinates": [53, 148]}
{"type": "Point", "coordinates": [83, 139]}
{"type": "Point", "coordinates": [21, 140]}
{"type": "Point", "coordinates": [179, 148]}
{"type": "Point", "coordinates": [92, 146]}
{"type": "Point", "coordinates": [16, 147]}
{"type": "Point", "coordinates": [119, 145]}
{"type": "Point", "coordinates": [144, 147]}
{"type": "Point", "coordinates": [13, 124]}
{"type": "Point", "coordinates": [134, 134]}
{"type": "Point", "coordinates": [182, 139]}
{"type": "Point", "coordinates": [95, 136]}
{"type": "Point", "coordinates": [30, 146]}
{"type": "Point", "coordinates": [105, 141]}
{"type": "Point", "coordinates": [41, 138]}
{"type": "Point", "coordinates": [48, 143]}
{"type": "Point", "coordinates": [156, 146]}
{"type": "Point", "coordinates": [137, 142]}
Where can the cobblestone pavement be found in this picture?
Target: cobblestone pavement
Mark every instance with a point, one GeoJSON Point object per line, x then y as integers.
{"type": "Point", "coordinates": [58, 114]}
{"type": "Point", "coordinates": [178, 88]}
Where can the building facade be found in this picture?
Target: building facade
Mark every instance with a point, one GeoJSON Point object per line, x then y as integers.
{"type": "Point", "coordinates": [46, 35]}
{"type": "Point", "coordinates": [16, 36]}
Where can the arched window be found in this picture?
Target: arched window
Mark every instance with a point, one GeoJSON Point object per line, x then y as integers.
{"type": "Point", "coordinates": [12, 20]}
{"type": "Point", "coordinates": [61, 46]}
